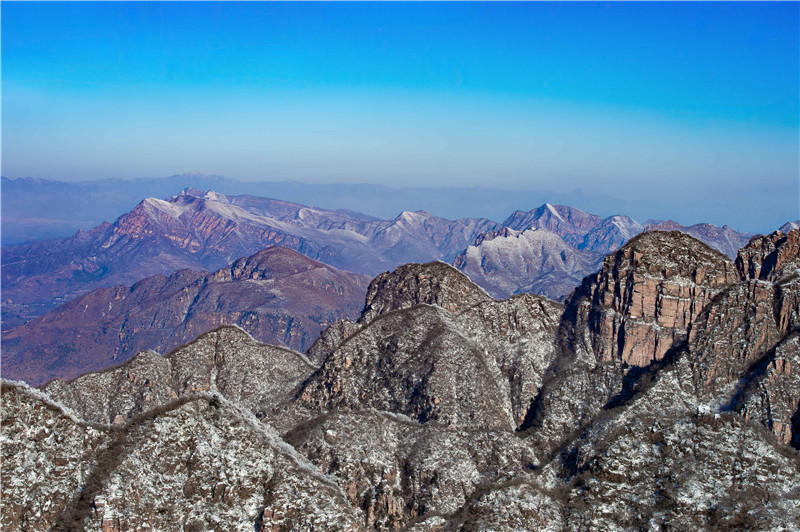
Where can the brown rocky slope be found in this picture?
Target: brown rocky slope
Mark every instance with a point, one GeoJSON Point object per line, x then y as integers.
{"type": "Point", "coordinates": [277, 295]}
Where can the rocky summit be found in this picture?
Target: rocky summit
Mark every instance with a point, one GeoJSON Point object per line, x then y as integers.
{"type": "Point", "coordinates": [662, 394]}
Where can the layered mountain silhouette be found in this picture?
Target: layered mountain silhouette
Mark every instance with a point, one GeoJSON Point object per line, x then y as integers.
{"type": "Point", "coordinates": [206, 231]}
{"type": "Point", "coordinates": [662, 394]}
{"type": "Point", "coordinates": [277, 295]}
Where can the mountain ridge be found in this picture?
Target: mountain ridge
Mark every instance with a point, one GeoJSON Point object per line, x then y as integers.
{"type": "Point", "coordinates": [277, 294]}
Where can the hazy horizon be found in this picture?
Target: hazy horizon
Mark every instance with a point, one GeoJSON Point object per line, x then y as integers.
{"type": "Point", "coordinates": [660, 103]}
{"type": "Point", "coordinates": [389, 200]}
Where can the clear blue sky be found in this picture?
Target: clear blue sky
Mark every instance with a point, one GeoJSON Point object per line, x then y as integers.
{"type": "Point", "coordinates": [626, 99]}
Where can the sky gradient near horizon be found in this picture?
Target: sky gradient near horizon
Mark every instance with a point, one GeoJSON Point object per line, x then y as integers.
{"type": "Point", "coordinates": [625, 99]}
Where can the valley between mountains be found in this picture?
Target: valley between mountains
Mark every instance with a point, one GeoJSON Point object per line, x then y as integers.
{"type": "Point", "coordinates": [557, 371]}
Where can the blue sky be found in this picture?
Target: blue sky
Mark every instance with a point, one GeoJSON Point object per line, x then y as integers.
{"type": "Point", "coordinates": [625, 99]}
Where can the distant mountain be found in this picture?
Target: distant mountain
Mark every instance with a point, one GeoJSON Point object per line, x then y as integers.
{"type": "Point", "coordinates": [277, 295]}
{"type": "Point", "coordinates": [508, 262]}
{"type": "Point", "coordinates": [725, 238]}
{"type": "Point", "coordinates": [207, 230]}
{"type": "Point", "coordinates": [788, 226]}
{"type": "Point", "coordinates": [34, 209]}
{"type": "Point", "coordinates": [569, 223]}
{"type": "Point", "coordinates": [589, 232]}
{"type": "Point", "coordinates": [549, 250]}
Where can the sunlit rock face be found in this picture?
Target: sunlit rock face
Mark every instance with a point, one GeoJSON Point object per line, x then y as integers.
{"type": "Point", "coordinates": [645, 298]}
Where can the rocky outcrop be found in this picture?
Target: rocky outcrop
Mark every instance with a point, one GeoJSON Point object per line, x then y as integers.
{"type": "Point", "coordinates": [420, 324]}
{"type": "Point", "coordinates": [434, 283]}
{"type": "Point", "coordinates": [621, 324]}
{"type": "Point", "coordinates": [648, 294]}
{"type": "Point", "coordinates": [763, 342]}
{"type": "Point", "coordinates": [770, 257]}
{"type": "Point", "coordinates": [277, 295]}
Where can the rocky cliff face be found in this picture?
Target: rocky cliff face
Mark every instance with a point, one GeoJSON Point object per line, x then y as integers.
{"type": "Point", "coordinates": [445, 409]}
{"type": "Point", "coordinates": [768, 392]}
{"type": "Point", "coordinates": [770, 257]}
{"type": "Point", "coordinates": [648, 294]}
{"type": "Point", "coordinates": [277, 295]}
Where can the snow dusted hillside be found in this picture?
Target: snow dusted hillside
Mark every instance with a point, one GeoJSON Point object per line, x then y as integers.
{"type": "Point", "coordinates": [508, 262]}
{"type": "Point", "coordinates": [662, 394]}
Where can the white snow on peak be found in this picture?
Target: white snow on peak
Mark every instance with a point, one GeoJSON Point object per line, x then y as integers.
{"type": "Point", "coordinates": [172, 209]}
{"type": "Point", "coordinates": [215, 196]}
{"type": "Point", "coordinates": [627, 226]}
{"type": "Point", "coordinates": [410, 216]}
{"type": "Point", "coordinates": [554, 212]}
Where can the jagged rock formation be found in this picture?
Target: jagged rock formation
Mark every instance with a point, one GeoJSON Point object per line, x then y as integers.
{"type": "Point", "coordinates": [690, 313]}
{"type": "Point", "coordinates": [205, 230]}
{"type": "Point", "coordinates": [277, 295]}
{"type": "Point", "coordinates": [508, 262]}
{"type": "Point", "coordinates": [433, 284]}
{"type": "Point", "coordinates": [647, 295]}
{"type": "Point", "coordinates": [663, 394]}
{"type": "Point", "coordinates": [770, 257]}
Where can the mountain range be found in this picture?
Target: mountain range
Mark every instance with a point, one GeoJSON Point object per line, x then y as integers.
{"type": "Point", "coordinates": [34, 209]}
{"type": "Point", "coordinates": [663, 393]}
{"type": "Point", "coordinates": [277, 295]}
{"type": "Point", "coordinates": [206, 231]}
{"type": "Point", "coordinates": [99, 297]}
